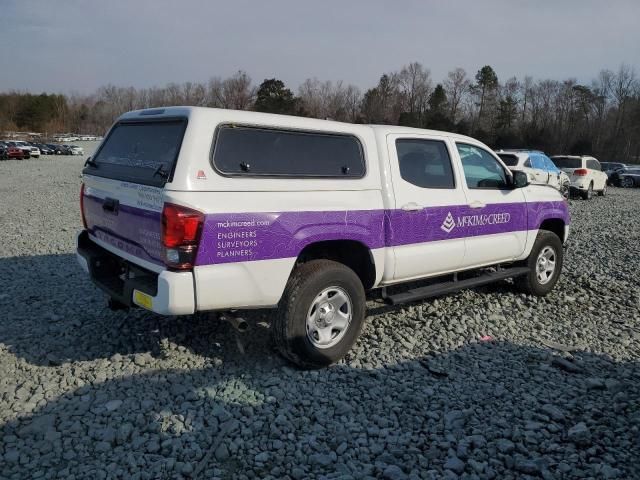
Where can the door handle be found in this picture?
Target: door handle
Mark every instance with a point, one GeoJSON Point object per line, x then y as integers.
{"type": "Point", "coordinates": [411, 207]}
{"type": "Point", "coordinates": [477, 204]}
{"type": "Point", "coordinates": [110, 205]}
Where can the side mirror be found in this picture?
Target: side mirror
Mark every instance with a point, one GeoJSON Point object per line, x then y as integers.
{"type": "Point", "coordinates": [520, 179]}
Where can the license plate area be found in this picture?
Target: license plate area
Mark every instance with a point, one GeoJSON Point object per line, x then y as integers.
{"type": "Point", "coordinates": [118, 277]}
{"type": "Point", "coordinates": [143, 300]}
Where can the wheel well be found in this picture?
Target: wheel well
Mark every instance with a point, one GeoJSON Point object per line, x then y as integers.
{"type": "Point", "coordinates": [351, 253]}
{"type": "Point", "coordinates": [554, 225]}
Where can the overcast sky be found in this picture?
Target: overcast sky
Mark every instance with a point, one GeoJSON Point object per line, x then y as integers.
{"type": "Point", "coordinates": [76, 46]}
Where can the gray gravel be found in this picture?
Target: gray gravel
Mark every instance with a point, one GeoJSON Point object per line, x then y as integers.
{"type": "Point", "coordinates": [89, 393]}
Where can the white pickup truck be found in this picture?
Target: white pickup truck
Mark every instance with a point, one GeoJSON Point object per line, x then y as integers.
{"type": "Point", "coordinates": [191, 209]}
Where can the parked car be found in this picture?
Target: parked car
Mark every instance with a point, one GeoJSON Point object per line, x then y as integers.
{"type": "Point", "coordinates": [610, 168]}
{"type": "Point", "coordinates": [45, 149]}
{"type": "Point", "coordinates": [3, 151]}
{"type": "Point", "coordinates": [75, 150]}
{"type": "Point", "coordinates": [56, 148]}
{"type": "Point", "coordinates": [33, 151]}
{"type": "Point", "coordinates": [17, 153]}
{"type": "Point", "coordinates": [627, 177]}
{"type": "Point", "coordinates": [62, 149]}
{"type": "Point", "coordinates": [585, 174]}
{"type": "Point", "coordinates": [538, 167]}
{"type": "Point", "coordinates": [189, 209]}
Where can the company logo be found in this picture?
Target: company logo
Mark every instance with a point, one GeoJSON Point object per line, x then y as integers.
{"type": "Point", "coordinates": [448, 224]}
{"type": "Point", "coordinates": [463, 221]}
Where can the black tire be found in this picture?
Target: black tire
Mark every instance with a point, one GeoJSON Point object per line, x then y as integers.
{"type": "Point", "coordinates": [603, 192]}
{"type": "Point", "coordinates": [289, 321]}
{"type": "Point", "coordinates": [530, 283]}
{"type": "Point", "coordinates": [565, 190]}
{"type": "Point", "coordinates": [588, 193]}
{"type": "Point", "coordinates": [626, 182]}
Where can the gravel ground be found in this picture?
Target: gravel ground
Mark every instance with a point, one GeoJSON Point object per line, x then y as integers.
{"type": "Point", "coordinates": [481, 384]}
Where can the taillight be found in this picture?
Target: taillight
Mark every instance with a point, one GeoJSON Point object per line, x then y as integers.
{"type": "Point", "coordinates": [84, 220]}
{"type": "Point", "coordinates": [181, 228]}
{"type": "Point", "coordinates": [580, 172]}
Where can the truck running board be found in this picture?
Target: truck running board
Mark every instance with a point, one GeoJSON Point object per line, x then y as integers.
{"type": "Point", "coordinates": [444, 288]}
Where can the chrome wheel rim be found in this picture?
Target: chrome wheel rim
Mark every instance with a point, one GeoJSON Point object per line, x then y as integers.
{"type": "Point", "coordinates": [564, 190]}
{"type": "Point", "coordinates": [546, 265]}
{"type": "Point", "coordinates": [329, 317]}
{"type": "Point", "coordinates": [627, 182]}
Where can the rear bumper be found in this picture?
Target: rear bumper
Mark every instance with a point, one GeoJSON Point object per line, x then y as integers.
{"type": "Point", "coordinates": [170, 293]}
{"type": "Point", "coordinates": [581, 184]}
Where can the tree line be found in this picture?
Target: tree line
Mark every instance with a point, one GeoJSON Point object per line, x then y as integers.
{"type": "Point", "coordinates": [601, 118]}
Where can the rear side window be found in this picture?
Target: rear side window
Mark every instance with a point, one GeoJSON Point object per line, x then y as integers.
{"type": "Point", "coordinates": [254, 151]}
{"type": "Point", "coordinates": [508, 159]}
{"type": "Point", "coordinates": [593, 164]}
{"type": "Point", "coordinates": [567, 162]}
{"type": "Point", "coordinates": [425, 163]}
{"type": "Point", "coordinates": [140, 152]}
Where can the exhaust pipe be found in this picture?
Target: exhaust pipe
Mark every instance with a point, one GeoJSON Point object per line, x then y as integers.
{"type": "Point", "coordinates": [239, 323]}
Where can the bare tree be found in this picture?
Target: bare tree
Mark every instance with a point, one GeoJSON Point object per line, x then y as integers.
{"type": "Point", "coordinates": [623, 85]}
{"type": "Point", "coordinates": [457, 87]}
{"type": "Point", "coordinates": [237, 92]}
{"type": "Point", "coordinates": [526, 91]}
{"type": "Point", "coordinates": [415, 85]}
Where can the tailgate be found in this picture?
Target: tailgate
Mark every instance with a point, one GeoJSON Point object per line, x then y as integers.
{"type": "Point", "coordinates": [124, 186]}
{"type": "Point", "coordinates": [125, 217]}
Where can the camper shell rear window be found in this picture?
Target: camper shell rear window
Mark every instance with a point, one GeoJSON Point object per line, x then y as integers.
{"type": "Point", "coordinates": [140, 151]}
{"type": "Point", "coordinates": [251, 151]}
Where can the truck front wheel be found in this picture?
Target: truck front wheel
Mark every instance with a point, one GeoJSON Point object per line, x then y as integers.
{"type": "Point", "coordinates": [320, 315]}
{"type": "Point", "coordinates": [545, 264]}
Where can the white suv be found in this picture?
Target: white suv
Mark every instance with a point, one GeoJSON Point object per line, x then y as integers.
{"type": "Point", "coordinates": [585, 173]}
{"type": "Point", "coordinates": [189, 209]}
{"type": "Point", "coordinates": [538, 167]}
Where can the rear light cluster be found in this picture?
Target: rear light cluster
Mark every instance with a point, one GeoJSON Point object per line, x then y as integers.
{"type": "Point", "coordinates": [580, 172]}
{"type": "Point", "coordinates": [181, 229]}
{"type": "Point", "coordinates": [84, 219]}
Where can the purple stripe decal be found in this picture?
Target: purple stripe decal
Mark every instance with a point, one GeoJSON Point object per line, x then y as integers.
{"type": "Point", "coordinates": [241, 237]}
{"type": "Point", "coordinates": [136, 231]}
{"type": "Point", "coordinates": [538, 212]}
{"type": "Point", "coordinates": [458, 221]}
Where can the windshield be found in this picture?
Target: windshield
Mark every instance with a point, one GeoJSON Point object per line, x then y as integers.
{"type": "Point", "coordinates": [139, 152]}
{"type": "Point", "coordinates": [567, 162]}
{"type": "Point", "coordinates": [508, 159]}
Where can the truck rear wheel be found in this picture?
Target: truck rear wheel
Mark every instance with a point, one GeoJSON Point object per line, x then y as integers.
{"type": "Point", "coordinates": [320, 315]}
{"type": "Point", "coordinates": [545, 264]}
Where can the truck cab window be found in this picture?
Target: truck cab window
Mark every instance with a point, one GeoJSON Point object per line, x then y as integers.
{"type": "Point", "coordinates": [425, 163]}
{"type": "Point", "coordinates": [481, 169]}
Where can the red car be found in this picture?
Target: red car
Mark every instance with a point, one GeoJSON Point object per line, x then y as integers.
{"type": "Point", "coordinates": [17, 153]}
